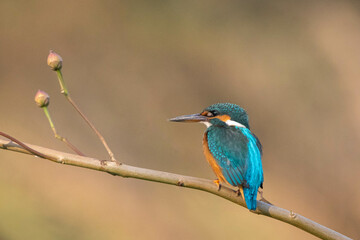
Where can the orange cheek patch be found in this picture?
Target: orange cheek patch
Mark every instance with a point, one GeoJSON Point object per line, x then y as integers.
{"type": "Point", "coordinates": [223, 118]}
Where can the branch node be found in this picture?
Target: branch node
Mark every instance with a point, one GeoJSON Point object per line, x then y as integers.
{"type": "Point", "coordinates": [103, 162]}
{"type": "Point", "coordinates": [180, 183]}
{"type": "Point", "coordinates": [62, 160]}
{"type": "Point", "coordinates": [292, 214]}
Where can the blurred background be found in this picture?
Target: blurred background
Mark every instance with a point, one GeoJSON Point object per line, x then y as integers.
{"type": "Point", "coordinates": [131, 65]}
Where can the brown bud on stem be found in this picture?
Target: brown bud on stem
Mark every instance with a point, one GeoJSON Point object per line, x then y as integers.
{"type": "Point", "coordinates": [42, 99]}
{"type": "Point", "coordinates": [54, 61]}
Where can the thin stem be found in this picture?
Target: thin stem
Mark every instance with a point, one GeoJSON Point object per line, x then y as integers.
{"type": "Point", "coordinates": [123, 170]}
{"type": "Point", "coordinates": [64, 89]}
{"type": "Point", "coordinates": [57, 136]}
{"type": "Point", "coordinates": [66, 93]}
{"type": "Point", "coordinates": [102, 139]}
{"type": "Point", "coordinates": [27, 148]}
{"type": "Point", "coordinates": [47, 114]}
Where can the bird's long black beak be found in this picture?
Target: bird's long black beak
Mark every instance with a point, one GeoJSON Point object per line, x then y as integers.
{"type": "Point", "coordinates": [190, 118]}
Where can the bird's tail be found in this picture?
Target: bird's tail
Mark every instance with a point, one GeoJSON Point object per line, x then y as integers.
{"type": "Point", "coordinates": [250, 198]}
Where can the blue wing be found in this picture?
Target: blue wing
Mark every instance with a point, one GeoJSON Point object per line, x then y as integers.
{"type": "Point", "coordinates": [238, 153]}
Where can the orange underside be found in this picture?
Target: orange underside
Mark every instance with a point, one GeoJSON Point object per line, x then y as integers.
{"type": "Point", "coordinates": [215, 167]}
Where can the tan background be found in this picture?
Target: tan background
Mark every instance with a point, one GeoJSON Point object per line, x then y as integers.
{"type": "Point", "coordinates": [294, 65]}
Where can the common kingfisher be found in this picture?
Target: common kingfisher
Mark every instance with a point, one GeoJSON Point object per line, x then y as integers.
{"type": "Point", "coordinates": [232, 150]}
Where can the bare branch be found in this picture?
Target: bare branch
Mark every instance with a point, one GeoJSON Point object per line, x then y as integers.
{"type": "Point", "coordinates": [124, 170]}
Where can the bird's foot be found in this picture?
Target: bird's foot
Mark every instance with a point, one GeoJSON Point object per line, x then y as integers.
{"type": "Point", "coordinates": [240, 192]}
{"type": "Point", "coordinates": [217, 182]}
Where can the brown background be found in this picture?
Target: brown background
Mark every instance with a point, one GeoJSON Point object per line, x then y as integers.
{"type": "Point", "coordinates": [294, 65]}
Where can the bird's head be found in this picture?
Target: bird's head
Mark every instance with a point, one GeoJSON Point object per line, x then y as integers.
{"type": "Point", "coordinates": [219, 114]}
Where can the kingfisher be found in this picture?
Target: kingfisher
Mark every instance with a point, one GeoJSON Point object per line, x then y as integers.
{"type": "Point", "coordinates": [232, 150]}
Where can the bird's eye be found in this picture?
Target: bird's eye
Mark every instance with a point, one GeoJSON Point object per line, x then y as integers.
{"type": "Point", "coordinates": [209, 114]}
{"type": "Point", "coordinates": [212, 113]}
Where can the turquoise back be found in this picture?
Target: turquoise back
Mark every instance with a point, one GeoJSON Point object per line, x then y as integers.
{"type": "Point", "coordinates": [238, 153]}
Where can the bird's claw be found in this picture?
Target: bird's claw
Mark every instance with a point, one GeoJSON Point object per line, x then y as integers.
{"type": "Point", "coordinates": [238, 193]}
{"type": "Point", "coordinates": [217, 182]}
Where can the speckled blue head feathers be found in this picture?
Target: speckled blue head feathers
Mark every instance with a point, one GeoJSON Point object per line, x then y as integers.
{"type": "Point", "coordinates": [236, 113]}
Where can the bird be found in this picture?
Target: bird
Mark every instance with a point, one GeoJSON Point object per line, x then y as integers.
{"type": "Point", "coordinates": [232, 150]}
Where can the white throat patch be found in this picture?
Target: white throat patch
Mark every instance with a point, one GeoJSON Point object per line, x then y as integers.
{"type": "Point", "coordinates": [234, 123]}
{"type": "Point", "coordinates": [207, 124]}
{"type": "Point", "coordinates": [228, 122]}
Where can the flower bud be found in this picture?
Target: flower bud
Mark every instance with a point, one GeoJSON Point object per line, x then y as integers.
{"type": "Point", "coordinates": [54, 61]}
{"type": "Point", "coordinates": [42, 99]}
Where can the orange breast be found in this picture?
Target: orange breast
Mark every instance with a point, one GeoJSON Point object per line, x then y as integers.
{"type": "Point", "coordinates": [215, 167]}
